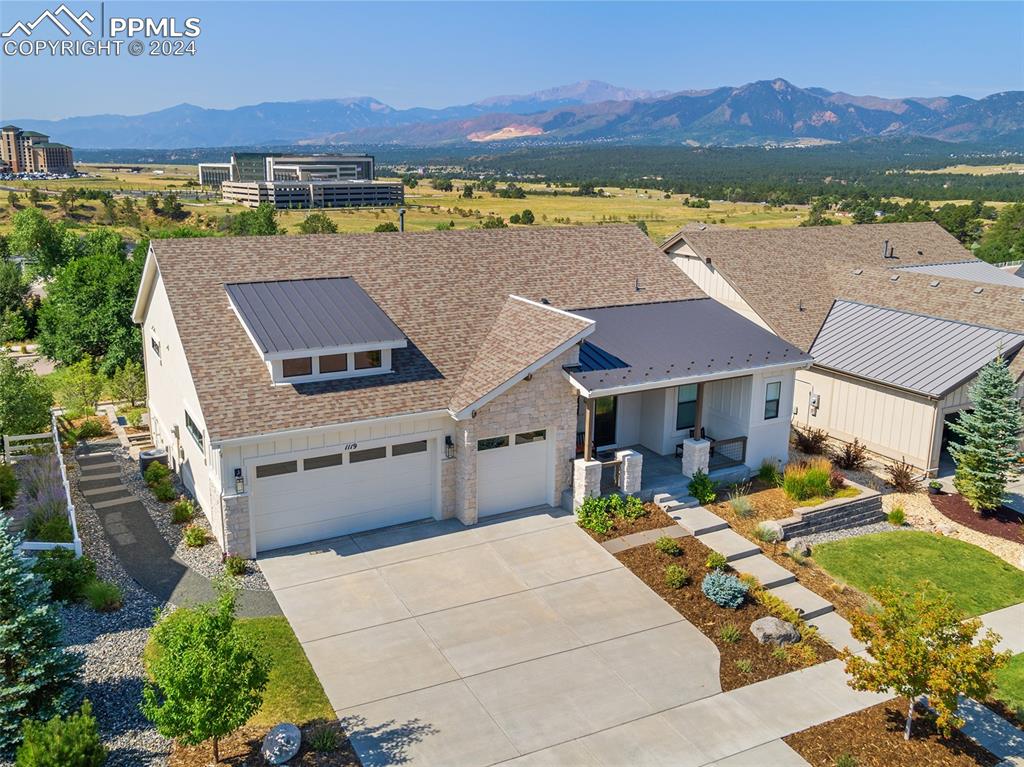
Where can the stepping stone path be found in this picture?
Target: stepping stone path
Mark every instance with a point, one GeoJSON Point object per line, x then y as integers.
{"type": "Point", "coordinates": [136, 542]}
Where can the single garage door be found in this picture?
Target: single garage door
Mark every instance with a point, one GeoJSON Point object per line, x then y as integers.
{"type": "Point", "coordinates": [513, 472]}
{"type": "Point", "coordinates": [326, 494]}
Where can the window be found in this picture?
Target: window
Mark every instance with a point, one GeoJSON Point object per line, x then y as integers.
{"type": "Point", "coordinates": [322, 461]}
{"type": "Point", "coordinates": [491, 443]}
{"type": "Point", "coordinates": [686, 407]}
{"type": "Point", "coordinates": [772, 395]}
{"type": "Point", "coordinates": [154, 342]}
{"type": "Point", "coordinates": [408, 448]}
{"type": "Point", "coordinates": [370, 454]}
{"type": "Point", "coordinates": [194, 430]}
{"type": "Point", "coordinates": [526, 437]}
{"type": "Point", "coordinates": [297, 366]}
{"type": "Point", "coordinates": [370, 359]}
{"type": "Point", "coordinates": [276, 469]}
{"type": "Point", "coordinates": [333, 363]}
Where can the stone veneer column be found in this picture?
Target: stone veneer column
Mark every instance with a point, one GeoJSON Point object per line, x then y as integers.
{"type": "Point", "coordinates": [586, 481]}
{"type": "Point", "coordinates": [696, 456]}
{"type": "Point", "coordinates": [237, 533]}
{"type": "Point", "coordinates": [630, 470]}
{"type": "Point", "coordinates": [465, 473]}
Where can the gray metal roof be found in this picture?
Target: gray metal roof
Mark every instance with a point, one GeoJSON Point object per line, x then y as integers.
{"type": "Point", "coordinates": [306, 315]}
{"type": "Point", "coordinates": [911, 351]}
{"type": "Point", "coordinates": [974, 270]}
{"type": "Point", "coordinates": [648, 343]}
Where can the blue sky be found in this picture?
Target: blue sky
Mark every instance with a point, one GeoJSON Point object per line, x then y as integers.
{"type": "Point", "coordinates": [442, 53]}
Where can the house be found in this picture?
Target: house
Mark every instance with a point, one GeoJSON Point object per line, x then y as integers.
{"type": "Point", "coordinates": [899, 318]}
{"type": "Point", "coordinates": [312, 386]}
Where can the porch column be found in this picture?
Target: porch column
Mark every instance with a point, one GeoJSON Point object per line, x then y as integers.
{"type": "Point", "coordinates": [588, 430]}
{"type": "Point", "coordinates": [698, 416]}
{"type": "Point", "coordinates": [696, 456]}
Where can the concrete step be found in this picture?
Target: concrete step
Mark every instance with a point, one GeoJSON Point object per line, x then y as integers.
{"type": "Point", "coordinates": [803, 600]}
{"type": "Point", "coordinates": [730, 543]}
{"type": "Point", "coordinates": [697, 520]}
{"type": "Point", "coordinates": [681, 502]}
{"type": "Point", "coordinates": [835, 630]}
{"type": "Point", "coordinates": [768, 573]}
{"type": "Point", "coordinates": [104, 472]}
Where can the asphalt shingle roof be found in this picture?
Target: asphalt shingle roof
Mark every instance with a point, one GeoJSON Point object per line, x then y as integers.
{"type": "Point", "coordinates": [444, 290]}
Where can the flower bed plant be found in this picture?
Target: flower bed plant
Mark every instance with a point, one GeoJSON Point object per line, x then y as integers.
{"type": "Point", "coordinates": [613, 516]}
{"type": "Point", "coordinates": [42, 504]}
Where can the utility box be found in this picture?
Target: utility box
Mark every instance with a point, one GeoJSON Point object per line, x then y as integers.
{"type": "Point", "coordinates": [156, 455]}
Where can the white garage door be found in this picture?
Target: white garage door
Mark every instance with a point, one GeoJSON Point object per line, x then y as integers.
{"type": "Point", "coordinates": [513, 472]}
{"type": "Point", "coordinates": [322, 495]}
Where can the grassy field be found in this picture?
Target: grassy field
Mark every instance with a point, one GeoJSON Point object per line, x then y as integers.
{"type": "Point", "coordinates": [978, 581]}
{"type": "Point", "coordinates": [427, 207]}
{"type": "Point", "coordinates": [979, 170]}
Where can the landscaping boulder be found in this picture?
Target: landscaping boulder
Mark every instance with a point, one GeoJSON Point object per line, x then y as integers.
{"type": "Point", "coordinates": [281, 744]}
{"type": "Point", "coordinates": [775, 526]}
{"type": "Point", "coordinates": [772, 630]}
{"type": "Point", "coordinates": [799, 548]}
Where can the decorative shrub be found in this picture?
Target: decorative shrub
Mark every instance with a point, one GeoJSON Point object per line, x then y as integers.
{"type": "Point", "coordinates": [164, 491]}
{"type": "Point", "coordinates": [766, 534]}
{"type": "Point", "coordinates": [593, 515]}
{"type": "Point", "coordinates": [235, 565]}
{"type": "Point", "coordinates": [324, 739]}
{"type": "Point", "coordinates": [903, 477]}
{"type": "Point", "coordinates": [67, 574]}
{"type": "Point", "coordinates": [668, 546]}
{"type": "Point", "coordinates": [742, 506]}
{"type": "Point", "coordinates": [134, 416]}
{"type": "Point", "coordinates": [897, 516]}
{"type": "Point", "coordinates": [676, 577]}
{"type": "Point", "coordinates": [633, 508]}
{"type": "Point", "coordinates": [195, 536]}
{"type": "Point", "coordinates": [43, 526]}
{"type": "Point", "coordinates": [846, 760]}
{"type": "Point", "coordinates": [103, 596]}
{"type": "Point", "coordinates": [72, 741]}
{"type": "Point", "coordinates": [730, 633]}
{"type": "Point", "coordinates": [744, 665]}
{"type": "Point", "coordinates": [716, 561]}
{"type": "Point", "coordinates": [836, 481]}
{"type": "Point", "coordinates": [769, 472]}
{"type": "Point", "coordinates": [852, 457]}
{"type": "Point", "coordinates": [8, 485]}
{"type": "Point", "coordinates": [724, 590]}
{"type": "Point", "coordinates": [156, 472]}
{"type": "Point", "coordinates": [810, 441]}
{"type": "Point", "coordinates": [812, 479]}
{"type": "Point", "coordinates": [182, 511]}
{"type": "Point", "coordinates": [91, 429]}
{"type": "Point", "coordinates": [802, 653]}
{"type": "Point", "coordinates": [702, 487]}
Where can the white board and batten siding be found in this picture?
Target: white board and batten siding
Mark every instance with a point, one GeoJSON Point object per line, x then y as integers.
{"type": "Point", "coordinates": [712, 282]}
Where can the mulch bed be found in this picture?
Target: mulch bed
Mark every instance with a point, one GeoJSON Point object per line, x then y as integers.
{"type": "Point", "coordinates": [648, 564]}
{"type": "Point", "coordinates": [655, 519]}
{"type": "Point", "coordinates": [1002, 522]}
{"type": "Point", "coordinates": [242, 749]}
{"type": "Point", "coordinates": [874, 738]}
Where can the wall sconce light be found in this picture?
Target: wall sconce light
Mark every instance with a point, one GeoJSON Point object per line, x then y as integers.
{"type": "Point", "coordinates": [239, 482]}
{"type": "Point", "coordinates": [449, 447]}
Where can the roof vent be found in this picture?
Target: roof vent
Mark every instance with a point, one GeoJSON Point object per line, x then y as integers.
{"type": "Point", "coordinates": [978, 290]}
{"type": "Point", "coordinates": [858, 271]}
{"type": "Point", "coordinates": [920, 252]}
{"type": "Point", "coordinates": [636, 284]}
{"type": "Point", "coordinates": [933, 284]}
{"type": "Point", "coordinates": [545, 302]}
{"type": "Point", "coordinates": [894, 277]}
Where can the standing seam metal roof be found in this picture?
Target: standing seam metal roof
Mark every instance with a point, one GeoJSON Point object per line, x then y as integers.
{"type": "Point", "coordinates": [319, 313]}
{"type": "Point", "coordinates": [924, 354]}
{"type": "Point", "coordinates": [972, 271]}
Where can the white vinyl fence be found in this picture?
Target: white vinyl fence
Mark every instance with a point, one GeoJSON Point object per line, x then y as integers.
{"type": "Point", "coordinates": [24, 444]}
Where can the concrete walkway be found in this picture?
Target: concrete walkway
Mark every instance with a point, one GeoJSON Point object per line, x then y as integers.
{"type": "Point", "coordinates": [135, 540]}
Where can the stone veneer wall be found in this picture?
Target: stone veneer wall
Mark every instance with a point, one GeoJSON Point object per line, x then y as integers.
{"type": "Point", "coordinates": [237, 535]}
{"type": "Point", "coordinates": [546, 401]}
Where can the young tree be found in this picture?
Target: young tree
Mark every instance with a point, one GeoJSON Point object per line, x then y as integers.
{"type": "Point", "coordinates": [261, 221]}
{"type": "Point", "coordinates": [318, 223]}
{"type": "Point", "coordinates": [36, 672]}
{"type": "Point", "coordinates": [129, 383]}
{"type": "Point", "coordinates": [467, 191]}
{"type": "Point", "coordinates": [989, 448]}
{"type": "Point", "coordinates": [920, 645]}
{"type": "Point", "coordinates": [25, 400]}
{"type": "Point", "coordinates": [34, 196]}
{"type": "Point", "coordinates": [171, 206]}
{"type": "Point", "coordinates": [205, 678]}
{"type": "Point", "coordinates": [152, 203]}
{"type": "Point", "coordinates": [12, 199]}
{"type": "Point", "coordinates": [77, 387]}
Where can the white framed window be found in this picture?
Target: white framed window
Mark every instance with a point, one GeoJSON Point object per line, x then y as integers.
{"type": "Point", "coordinates": [772, 399]}
{"type": "Point", "coordinates": [194, 430]}
{"type": "Point", "coordinates": [154, 344]}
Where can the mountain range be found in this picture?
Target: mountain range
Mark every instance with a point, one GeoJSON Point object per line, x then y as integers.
{"type": "Point", "coordinates": [766, 111]}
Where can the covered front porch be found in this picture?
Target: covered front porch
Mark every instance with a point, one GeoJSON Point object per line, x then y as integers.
{"type": "Point", "coordinates": [662, 473]}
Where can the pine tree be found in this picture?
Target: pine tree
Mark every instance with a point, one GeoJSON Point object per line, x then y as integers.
{"type": "Point", "coordinates": [36, 673]}
{"type": "Point", "coordinates": [987, 455]}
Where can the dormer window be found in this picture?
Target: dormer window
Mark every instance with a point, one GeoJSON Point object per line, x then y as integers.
{"type": "Point", "coordinates": [317, 329]}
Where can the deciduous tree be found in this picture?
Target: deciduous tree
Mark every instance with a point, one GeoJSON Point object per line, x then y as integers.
{"type": "Point", "coordinates": [129, 383]}
{"type": "Point", "coordinates": [25, 400]}
{"type": "Point", "coordinates": [318, 223]}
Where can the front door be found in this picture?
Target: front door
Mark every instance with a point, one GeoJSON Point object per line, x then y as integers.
{"type": "Point", "coordinates": [604, 421]}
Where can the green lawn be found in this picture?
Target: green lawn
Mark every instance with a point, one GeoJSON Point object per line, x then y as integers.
{"type": "Point", "coordinates": [1010, 683]}
{"type": "Point", "coordinates": [294, 693]}
{"type": "Point", "coordinates": [978, 581]}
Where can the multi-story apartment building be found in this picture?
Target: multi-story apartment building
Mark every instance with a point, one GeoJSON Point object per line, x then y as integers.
{"type": "Point", "coordinates": [25, 151]}
{"type": "Point", "coordinates": [340, 193]}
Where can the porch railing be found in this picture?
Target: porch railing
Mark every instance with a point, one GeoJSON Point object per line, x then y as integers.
{"type": "Point", "coordinates": [732, 450]}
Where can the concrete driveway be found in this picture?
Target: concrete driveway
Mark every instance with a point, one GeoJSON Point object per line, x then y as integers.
{"type": "Point", "coordinates": [439, 644]}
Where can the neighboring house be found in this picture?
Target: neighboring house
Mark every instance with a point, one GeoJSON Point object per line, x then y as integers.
{"type": "Point", "coordinates": [899, 318]}
{"type": "Point", "coordinates": [312, 386]}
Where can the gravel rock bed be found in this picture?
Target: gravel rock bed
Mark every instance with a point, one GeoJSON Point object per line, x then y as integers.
{"type": "Point", "coordinates": [838, 535]}
{"type": "Point", "coordinates": [112, 645]}
{"type": "Point", "coordinates": [206, 560]}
